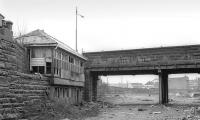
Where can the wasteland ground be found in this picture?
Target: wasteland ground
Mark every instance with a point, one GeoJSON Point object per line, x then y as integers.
{"type": "Point", "coordinates": [145, 107]}
{"type": "Point", "coordinates": [129, 106]}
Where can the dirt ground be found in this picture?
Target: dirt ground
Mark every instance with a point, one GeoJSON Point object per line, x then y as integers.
{"type": "Point", "coordinates": [148, 112]}
{"type": "Point", "coordinates": [145, 107]}
{"type": "Point", "coordinates": [131, 98]}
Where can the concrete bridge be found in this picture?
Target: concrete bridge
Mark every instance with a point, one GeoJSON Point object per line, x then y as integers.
{"type": "Point", "coordinates": [158, 61]}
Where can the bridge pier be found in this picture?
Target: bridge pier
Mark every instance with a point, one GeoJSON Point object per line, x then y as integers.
{"type": "Point", "coordinates": [163, 87]}
{"type": "Point", "coordinates": [90, 86]}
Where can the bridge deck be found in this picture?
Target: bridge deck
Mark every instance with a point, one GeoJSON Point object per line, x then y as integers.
{"type": "Point", "coordinates": [176, 57]}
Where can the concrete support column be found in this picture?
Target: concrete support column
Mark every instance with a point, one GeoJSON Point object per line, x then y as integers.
{"type": "Point", "coordinates": [163, 87]}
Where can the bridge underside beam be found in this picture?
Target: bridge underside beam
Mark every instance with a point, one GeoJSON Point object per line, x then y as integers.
{"type": "Point", "coordinates": [146, 72]}
{"type": "Point", "coordinates": [127, 72]}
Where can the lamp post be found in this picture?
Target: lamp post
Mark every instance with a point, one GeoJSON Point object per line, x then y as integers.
{"type": "Point", "coordinates": [77, 27]}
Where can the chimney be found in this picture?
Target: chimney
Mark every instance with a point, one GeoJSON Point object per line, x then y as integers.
{"type": "Point", "coordinates": [5, 23]}
{"type": "Point", "coordinates": [1, 20]}
{"type": "Point", "coordinates": [9, 25]}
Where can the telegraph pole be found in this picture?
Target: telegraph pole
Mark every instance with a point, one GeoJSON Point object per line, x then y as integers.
{"type": "Point", "coordinates": [77, 28]}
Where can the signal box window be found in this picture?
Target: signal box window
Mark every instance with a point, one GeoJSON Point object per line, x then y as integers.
{"type": "Point", "coordinates": [48, 67]}
{"type": "Point", "coordinates": [38, 69]}
{"type": "Point", "coordinates": [71, 60]}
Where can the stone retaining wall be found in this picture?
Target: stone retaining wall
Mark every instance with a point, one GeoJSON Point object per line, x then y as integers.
{"type": "Point", "coordinates": [21, 95]}
{"type": "Point", "coordinates": [12, 55]}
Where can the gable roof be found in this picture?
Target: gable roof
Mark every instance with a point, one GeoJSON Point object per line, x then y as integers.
{"type": "Point", "coordinates": [2, 16]}
{"type": "Point", "coordinates": [40, 38]}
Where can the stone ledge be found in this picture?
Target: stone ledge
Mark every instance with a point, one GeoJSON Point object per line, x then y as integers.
{"type": "Point", "coordinates": [60, 81]}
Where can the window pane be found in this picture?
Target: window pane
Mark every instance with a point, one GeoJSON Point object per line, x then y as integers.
{"type": "Point", "coordinates": [41, 69]}
{"type": "Point", "coordinates": [32, 53]}
{"type": "Point", "coordinates": [35, 69]}
{"type": "Point", "coordinates": [48, 67]}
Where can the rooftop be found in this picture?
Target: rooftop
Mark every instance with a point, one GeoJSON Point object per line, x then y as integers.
{"type": "Point", "coordinates": [40, 38]}
{"type": "Point", "coordinates": [2, 16]}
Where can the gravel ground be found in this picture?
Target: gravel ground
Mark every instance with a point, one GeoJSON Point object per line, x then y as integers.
{"type": "Point", "coordinates": [148, 112]}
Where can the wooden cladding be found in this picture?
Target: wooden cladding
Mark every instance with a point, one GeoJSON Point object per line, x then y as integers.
{"type": "Point", "coordinates": [67, 66]}
{"type": "Point", "coordinates": [59, 64]}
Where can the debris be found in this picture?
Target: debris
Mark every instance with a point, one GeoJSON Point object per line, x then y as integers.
{"type": "Point", "coordinates": [186, 111]}
{"type": "Point", "coordinates": [110, 117]}
{"type": "Point", "coordinates": [178, 94]}
{"type": "Point", "coordinates": [66, 119]}
{"type": "Point", "coordinates": [193, 110]}
{"type": "Point", "coordinates": [184, 118]}
{"type": "Point", "coordinates": [157, 112]}
{"type": "Point", "coordinates": [189, 116]}
{"type": "Point", "coordinates": [146, 100]}
{"type": "Point", "coordinates": [141, 109]}
{"type": "Point", "coordinates": [116, 95]}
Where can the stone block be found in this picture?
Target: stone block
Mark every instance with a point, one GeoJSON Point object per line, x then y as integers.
{"type": "Point", "coordinates": [2, 64]}
{"type": "Point", "coordinates": [11, 58]}
{"type": "Point", "coordinates": [3, 81]}
{"type": "Point", "coordinates": [10, 116]}
{"type": "Point", "coordinates": [3, 72]}
{"type": "Point", "coordinates": [10, 66]}
{"type": "Point", "coordinates": [7, 100]}
{"type": "Point", "coordinates": [4, 89]}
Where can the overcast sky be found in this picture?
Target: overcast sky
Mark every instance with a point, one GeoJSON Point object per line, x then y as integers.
{"type": "Point", "coordinates": [109, 24]}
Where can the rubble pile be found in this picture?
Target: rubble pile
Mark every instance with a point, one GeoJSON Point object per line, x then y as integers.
{"type": "Point", "coordinates": [105, 104]}
{"type": "Point", "coordinates": [182, 112]}
{"type": "Point", "coordinates": [191, 113]}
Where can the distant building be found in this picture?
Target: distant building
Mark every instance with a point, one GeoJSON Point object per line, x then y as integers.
{"type": "Point", "coordinates": [121, 85]}
{"type": "Point", "coordinates": [152, 84]}
{"type": "Point", "coordinates": [127, 85]}
{"type": "Point", "coordinates": [59, 62]}
{"type": "Point", "coordinates": [194, 84]}
{"type": "Point", "coordinates": [173, 83]}
{"type": "Point", "coordinates": [137, 85]}
{"type": "Point", "coordinates": [178, 83]}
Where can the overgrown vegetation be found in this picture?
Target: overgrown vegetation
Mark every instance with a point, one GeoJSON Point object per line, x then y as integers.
{"type": "Point", "coordinates": [59, 110]}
